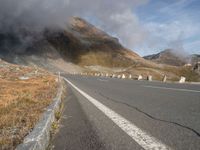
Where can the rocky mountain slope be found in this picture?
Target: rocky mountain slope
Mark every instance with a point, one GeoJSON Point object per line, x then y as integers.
{"type": "Point", "coordinates": [79, 44]}
{"type": "Point", "coordinates": [84, 44]}
{"type": "Point", "coordinates": [81, 47]}
{"type": "Point", "coordinates": [168, 57]}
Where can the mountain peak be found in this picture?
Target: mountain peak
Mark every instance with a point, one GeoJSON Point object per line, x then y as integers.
{"type": "Point", "coordinates": [169, 57]}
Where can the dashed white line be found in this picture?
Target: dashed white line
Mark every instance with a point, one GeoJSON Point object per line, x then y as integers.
{"type": "Point", "coordinates": [103, 80]}
{"type": "Point", "coordinates": [145, 140]}
{"type": "Point", "coordinates": [174, 89]}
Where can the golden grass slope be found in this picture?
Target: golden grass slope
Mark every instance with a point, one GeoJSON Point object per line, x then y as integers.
{"type": "Point", "coordinates": [24, 94]}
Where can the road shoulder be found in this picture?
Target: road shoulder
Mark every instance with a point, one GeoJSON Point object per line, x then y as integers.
{"type": "Point", "coordinates": [75, 131]}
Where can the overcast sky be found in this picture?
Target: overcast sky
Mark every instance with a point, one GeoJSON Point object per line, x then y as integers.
{"type": "Point", "coordinates": [145, 26]}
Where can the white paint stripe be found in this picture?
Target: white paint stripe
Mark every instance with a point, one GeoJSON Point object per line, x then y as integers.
{"type": "Point", "coordinates": [102, 80]}
{"type": "Point", "coordinates": [174, 89]}
{"type": "Point", "coordinates": [142, 138]}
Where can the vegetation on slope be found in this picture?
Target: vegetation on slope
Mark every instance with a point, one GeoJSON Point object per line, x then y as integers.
{"type": "Point", "coordinates": [84, 44]}
{"type": "Point", "coordinates": [24, 94]}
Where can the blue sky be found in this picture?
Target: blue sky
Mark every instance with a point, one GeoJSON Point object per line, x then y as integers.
{"type": "Point", "coordinates": [172, 24]}
{"type": "Point", "coordinates": [145, 26]}
{"type": "Point", "coordinates": [150, 26]}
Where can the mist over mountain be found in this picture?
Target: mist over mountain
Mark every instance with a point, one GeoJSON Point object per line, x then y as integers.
{"type": "Point", "coordinates": [173, 57]}
{"type": "Point", "coordinates": [34, 16]}
{"type": "Point", "coordinates": [46, 35]}
{"type": "Point", "coordinates": [80, 44]}
{"type": "Point", "coordinates": [169, 57]}
{"type": "Point", "coordinates": [193, 59]}
{"type": "Point", "coordinates": [82, 47]}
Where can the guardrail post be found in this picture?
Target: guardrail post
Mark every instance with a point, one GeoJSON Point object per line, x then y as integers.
{"type": "Point", "coordinates": [182, 79]}
{"type": "Point", "coordinates": [149, 78]}
{"type": "Point", "coordinates": [140, 77]}
{"type": "Point", "coordinates": [123, 76]}
{"type": "Point", "coordinates": [164, 78]}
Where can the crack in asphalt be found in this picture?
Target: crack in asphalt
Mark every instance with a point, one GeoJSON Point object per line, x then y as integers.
{"type": "Point", "coordinates": [150, 116]}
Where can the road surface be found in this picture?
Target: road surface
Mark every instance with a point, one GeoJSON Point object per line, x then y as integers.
{"type": "Point", "coordinates": [116, 114]}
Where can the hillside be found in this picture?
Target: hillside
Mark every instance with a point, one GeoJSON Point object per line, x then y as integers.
{"type": "Point", "coordinates": [22, 90]}
{"type": "Point", "coordinates": [81, 47]}
{"type": "Point", "coordinates": [168, 57]}
{"type": "Point", "coordinates": [85, 45]}
{"type": "Point", "coordinates": [79, 44]}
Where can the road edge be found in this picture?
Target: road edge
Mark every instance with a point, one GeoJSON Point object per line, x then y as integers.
{"type": "Point", "coordinates": [39, 138]}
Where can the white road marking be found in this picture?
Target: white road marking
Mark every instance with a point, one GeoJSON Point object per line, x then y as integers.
{"type": "Point", "coordinates": [174, 89]}
{"type": "Point", "coordinates": [103, 80]}
{"type": "Point", "coordinates": [145, 140]}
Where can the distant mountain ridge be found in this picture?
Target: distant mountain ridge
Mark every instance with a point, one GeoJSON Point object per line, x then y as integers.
{"type": "Point", "coordinates": [170, 57]}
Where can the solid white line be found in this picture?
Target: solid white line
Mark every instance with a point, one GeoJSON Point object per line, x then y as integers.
{"type": "Point", "coordinates": [174, 89]}
{"type": "Point", "coordinates": [141, 137]}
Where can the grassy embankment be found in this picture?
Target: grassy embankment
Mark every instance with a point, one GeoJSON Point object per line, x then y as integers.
{"type": "Point", "coordinates": [24, 94]}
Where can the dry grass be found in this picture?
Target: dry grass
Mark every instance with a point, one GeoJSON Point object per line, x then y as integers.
{"type": "Point", "coordinates": [22, 101]}
{"type": "Point", "coordinates": [105, 59]}
{"type": "Point", "coordinates": [173, 73]}
{"type": "Point", "coordinates": [189, 73]}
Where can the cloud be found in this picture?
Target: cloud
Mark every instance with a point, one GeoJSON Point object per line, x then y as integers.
{"type": "Point", "coordinates": [126, 25]}
{"type": "Point", "coordinates": [46, 13]}
{"type": "Point", "coordinates": [173, 35]}
{"type": "Point", "coordinates": [114, 16]}
{"type": "Point", "coordinates": [33, 14]}
{"type": "Point", "coordinates": [172, 31]}
{"type": "Point", "coordinates": [172, 25]}
{"type": "Point", "coordinates": [193, 46]}
{"type": "Point", "coordinates": [175, 7]}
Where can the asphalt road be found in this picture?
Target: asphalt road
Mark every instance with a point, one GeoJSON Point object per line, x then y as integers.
{"type": "Point", "coordinates": [116, 114]}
